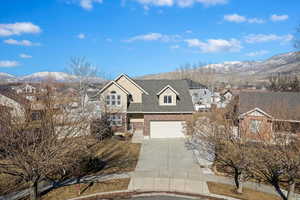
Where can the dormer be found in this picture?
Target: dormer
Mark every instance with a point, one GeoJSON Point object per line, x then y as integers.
{"type": "Point", "coordinates": [168, 96]}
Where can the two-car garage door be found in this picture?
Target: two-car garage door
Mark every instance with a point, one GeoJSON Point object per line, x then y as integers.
{"type": "Point", "coordinates": [166, 129]}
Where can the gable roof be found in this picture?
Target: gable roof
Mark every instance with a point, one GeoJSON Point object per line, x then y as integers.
{"type": "Point", "coordinates": [132, 81]}
{"type": "Point", "coordinates": [113, 83]}
{"type": "Point", "coordinates": [280, 105]}
{"type": "Point", "coordinates": [150, 102]}
{"type": "Point", "coordinates": [168, 86]}
{"type": "Point", "coordinates": [258, 110]}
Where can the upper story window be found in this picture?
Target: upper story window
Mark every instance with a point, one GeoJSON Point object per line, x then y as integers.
{"type": "Point", "coordinates": [255, 126]}
{"type": "Point", "coordinates": [113, 99]}
{"type": "Point", "coordinates": [168, 99]}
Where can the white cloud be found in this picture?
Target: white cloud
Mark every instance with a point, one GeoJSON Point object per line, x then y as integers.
{"type": "Point", "coordinates": [276, 18]}
{"type": "Point", "coordinates": [23, 55]}
{"type": "Point", "coordinates": [260, 38]}
{"type": "Point", "coordinates": [81, 36]}
{"type": "Point", "coordinates": [235, 18]}
{"type": "Point", "coordinates": [108, 40]}
{"type": "Point", "coordinates": [20, 42]}
{"type": "Point", "coordinates": [257, 53]}
{"type": "Point", "coordinates": [8, 63]}
{"type": "Point", "coordinates": [188, 31]}
{"type": "Point", "coordinates": [89, 4]}
{"type": "Point", "coordinates": [19, 28]}
{"type": "Point", "coordinates": [181, 3]}
{"type": "Point", "coordinates": [215, 45]}
{"type": "Point", "coordinates": [153, 37]}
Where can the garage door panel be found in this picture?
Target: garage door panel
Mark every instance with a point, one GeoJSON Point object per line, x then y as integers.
{"type": "Point", "coordinates": [167, 129]}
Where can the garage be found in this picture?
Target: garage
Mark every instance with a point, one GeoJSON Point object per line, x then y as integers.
{"type": "Point", "coordinates": [166, 129]}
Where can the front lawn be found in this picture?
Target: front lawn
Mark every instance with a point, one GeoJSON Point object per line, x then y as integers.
{"type": "Point", "coordinates": [72, 191]}
{"type": "Point", "coordinates": [117, 157]}
{"type": "Point", "coordinates": [248, 194]}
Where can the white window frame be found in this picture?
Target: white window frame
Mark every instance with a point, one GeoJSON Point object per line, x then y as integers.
{"type": "Point", "coordinates": [113, 99]}
{"type": "Point", "coordinates": [115, 120]}
{"type": "Point", "coordinates": [255, 126]}
{"type": "Point", "coordinates": [168, 98]}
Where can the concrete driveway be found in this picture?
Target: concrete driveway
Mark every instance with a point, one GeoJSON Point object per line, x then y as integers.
{"type": "Point", "coordinates": [167, 156]}
{"type": "Point", "coordinates": [166, 165]}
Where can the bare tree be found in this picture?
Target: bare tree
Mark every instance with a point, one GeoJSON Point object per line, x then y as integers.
{"type": "Point", "coordinates": [48, 139]}
{"type": "Point", "coordinates": [85, 73]}
{"type": "Point", "coordinates": [228, 152]}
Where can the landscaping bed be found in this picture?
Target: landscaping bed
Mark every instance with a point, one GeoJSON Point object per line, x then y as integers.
{"type": "Point", "coordinates": [248, 194]}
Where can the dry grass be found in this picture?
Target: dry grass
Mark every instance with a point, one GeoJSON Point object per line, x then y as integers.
{"type": "Point", "coordinates": [248, 194]}
{"type": "Point", "coordinates": [72, 191]}
{"type": "Point", "coordinates": [9, 184]}
{"type": "Point", "coordinates": [119, 156]}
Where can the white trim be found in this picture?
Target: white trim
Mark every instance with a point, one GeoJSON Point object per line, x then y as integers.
{"type": "Point", "coordinates": [132, 81]}
{"type": "Point", "coordinates": [115, 83]}
{"type": "Point", "coordinates": [256, 109]}
{"type": "Point", "coordinates": [168, 86]}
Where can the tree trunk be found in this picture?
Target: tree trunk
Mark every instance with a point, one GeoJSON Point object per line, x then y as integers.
{"type": "Point", "coordinates": [279, 191]}
{"type": "Point", "coordinates": [34, 190]}
{"type": "Point", "coordinates": [238, 184]}
{"type": "Point", "coordinates": [291, 194]}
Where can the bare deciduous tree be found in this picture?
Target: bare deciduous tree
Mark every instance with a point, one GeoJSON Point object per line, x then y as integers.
{"type": "Point", "coordinates": [85, 73]}
{"type": "Point", "coordinates": [48, 139]}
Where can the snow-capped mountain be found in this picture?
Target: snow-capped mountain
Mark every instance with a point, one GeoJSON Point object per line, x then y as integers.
{"type": "Point", "coordinates": [7, 77]}
{"type": "Point", "coordinates": [283, 63]}
{"type": "Point", "coordinates": [44, 76]}
{"type": "Point", "coordinates": [288, 63]}
{"type": "Point", "coordinates": [55, 76]}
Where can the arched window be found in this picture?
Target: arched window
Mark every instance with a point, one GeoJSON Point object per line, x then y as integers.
{"type": "Point", "coordinates": [113, 99]}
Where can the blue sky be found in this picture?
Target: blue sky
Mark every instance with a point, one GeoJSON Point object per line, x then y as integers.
{"type": "Point", "coordinates": [141, 36]}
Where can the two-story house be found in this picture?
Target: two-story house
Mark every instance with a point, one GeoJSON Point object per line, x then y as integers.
{"type": "Point", "coordinates": [160, 108]}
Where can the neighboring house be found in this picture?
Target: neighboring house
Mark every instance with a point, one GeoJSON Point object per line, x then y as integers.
{"type": "Point", "coordinates": [160, 108]}
{"type": "Point", "coordinates": [228, 95]}
{"type": "Point", "coordinates": [13, 101]}
{"type": "Point", "coordinates": [92, 102]}
{"type": "Point", "coordinates": [263, 114]}
{"type": "Point", "coordinates": [201, 95]}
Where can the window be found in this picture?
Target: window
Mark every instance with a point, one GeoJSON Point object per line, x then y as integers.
{"type": "Point", "coordinates": [255, 126]}
{"type": "Point", "coordinates": [113, 99]}
{"type": "Point", "coordinates": [115, 120]}
{"type": "Point", "coordinates": [168, 99]}
{"type": "Point", "coordinates": [36, 116]}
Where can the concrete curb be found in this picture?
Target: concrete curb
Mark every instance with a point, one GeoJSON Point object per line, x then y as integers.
{"type": "Point", "coordinates": [141, 193]}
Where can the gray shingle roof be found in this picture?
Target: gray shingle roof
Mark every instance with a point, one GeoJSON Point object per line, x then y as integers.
{"type": "Point", "coordinates": [280, 105]}
{"type": "Point", "coordinates": [150, 102]}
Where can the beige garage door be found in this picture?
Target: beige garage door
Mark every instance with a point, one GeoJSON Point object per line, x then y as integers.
{"type": "Point", "coordinates": [166, 129]}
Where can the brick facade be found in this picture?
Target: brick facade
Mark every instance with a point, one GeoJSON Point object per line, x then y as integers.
{"type": "Point", "coordinates": [163, 117]}
{"type": "Point", "coordinates": [265, 130]}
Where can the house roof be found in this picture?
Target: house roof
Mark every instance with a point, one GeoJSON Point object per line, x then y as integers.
{"type": "Point", "coordinates": [170, 87]}
{"type": "Point", "coordinates": [9, 93]}
{"type": "Point", "coordinates": [132, 81]}
{"type": "Point", "coordinates": [280, 105]}
{"type": "Point", "coordinates": [150, 102]}
{"type": "Point", "coordinates": [195, 85]}
{"type": "Point", "coordinates": [113, 83]}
